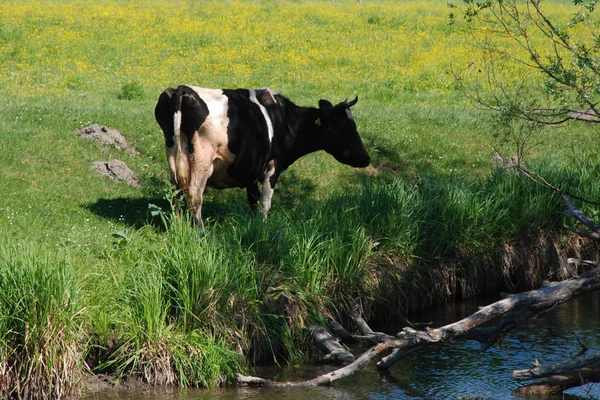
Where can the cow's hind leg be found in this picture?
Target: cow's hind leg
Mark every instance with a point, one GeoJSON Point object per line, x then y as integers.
{"type": "Point", "coordinates": [202, 169]}
{"type": "Point", "coordinates": [196, 194]}
{"type": "Point", "coordinates": [176, 191]}
{"type": "Point", "coordinates": [253, 196]}
{"type": "Point", "coordinates": [164, 112]}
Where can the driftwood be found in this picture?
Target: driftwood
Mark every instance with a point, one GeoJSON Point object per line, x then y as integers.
{"type": "Point", "coordinates": [541, 371]}
{"type": "Point", "coordinates": [506, 313]}
{"type": "Point", "coordinates": [330, 345]}
{"type": "Point", "coordinates": [572, 211]}
{"type": "Point", "coordinates": [559, 383]}
{"type": "Point", "coordinates": [365, 330]}
{"type": "Point", "coordinates": [341, 332]}
{"type": "Point", "coordinates": [512, 310]}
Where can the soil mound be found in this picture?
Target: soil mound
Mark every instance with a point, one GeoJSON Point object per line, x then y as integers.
{"type": "Point", "coordinates": [107, 136]}
{"type": "Point", "coordinates": [117, 170]}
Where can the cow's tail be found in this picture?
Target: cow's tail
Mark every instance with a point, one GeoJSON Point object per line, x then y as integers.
{"type": "Point", "coordinates": [181, 150]}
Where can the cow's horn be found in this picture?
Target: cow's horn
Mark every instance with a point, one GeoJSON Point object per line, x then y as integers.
{"type": "Point", "coordinates": [353, 102]}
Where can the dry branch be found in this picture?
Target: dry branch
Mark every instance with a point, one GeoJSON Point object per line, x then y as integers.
{"type": "Point", "coordinates": [489, 336]}
{"type": "Point", "coordinates": [365, 329]}
{"type": "Point", "coordinates": [587, 116]}
{"type": "Point", "coordinates": [395, 356]}
{"type": "Point", "coordinates": [330, 345]}
{"type": "Point", "coordinates": [360, 323]}
{"type": "Point", "coordinates": [589, 223]}
{"type": "Point", "coordinates": [340, 331]}
{"type": "Point", "coordinates": [559, 383]}
{"type": "Point", "coordinates": [325, 379]}
{"type": "Point", "coordinates": [565, 367]}
{"type": "Point", "coordinates": [535, 301]}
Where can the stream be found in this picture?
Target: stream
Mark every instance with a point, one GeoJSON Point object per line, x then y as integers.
{"type": "Point", "coordinates": [455, 370]}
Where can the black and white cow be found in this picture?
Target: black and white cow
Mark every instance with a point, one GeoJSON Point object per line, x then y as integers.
{"type": "Point", "coordinates": [237, 138]}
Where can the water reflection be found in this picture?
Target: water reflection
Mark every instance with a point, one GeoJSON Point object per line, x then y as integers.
{"type": "Point", "coordinates": [449, 370]}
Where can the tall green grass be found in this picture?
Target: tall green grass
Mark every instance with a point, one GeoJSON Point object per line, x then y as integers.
{"type": "Point", "coordinates": [42, 343]}
{"type": "Point", "coordinates": [147, 317]}
{"type": "Point", "coordinates": [259, 283]}
{"type": "Point", "coordinates": [175, 305]}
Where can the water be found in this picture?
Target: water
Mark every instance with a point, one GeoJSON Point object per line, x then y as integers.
{"type": "Point", "coordinates": [445, 371]}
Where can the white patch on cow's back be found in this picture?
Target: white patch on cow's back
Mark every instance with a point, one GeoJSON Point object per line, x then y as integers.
{"type": "Point", "coordinates": [215, 126]}
{"type": "Point", "coordinates": [264, 112]}
{"type": "Point", "coordinates": [215, 100]}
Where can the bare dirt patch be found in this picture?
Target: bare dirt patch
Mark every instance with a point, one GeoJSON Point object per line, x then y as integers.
{"type": "Point", "coordinates": [117, 170]}
{"type": "Point", "coordinates": [107, 136]}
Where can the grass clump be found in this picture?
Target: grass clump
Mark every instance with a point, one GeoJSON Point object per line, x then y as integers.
{"type": "Point", "coordinates": [158, 348]}
{"type": "Point", "coordinates": [154, 327]}
{"type": "Point", "coordinates": [131, 91]}
{"type": "Point", "coordinates": [42, 344]}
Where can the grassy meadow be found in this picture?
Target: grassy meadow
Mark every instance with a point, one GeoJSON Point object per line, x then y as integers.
{"type": "Point", "coordinates": [116, 286]}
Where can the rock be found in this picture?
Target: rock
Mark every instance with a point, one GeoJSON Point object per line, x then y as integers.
{"type": "Point", "coordinates": [117, 169]}
{"type": "Point", "coordinates": [107, 136]}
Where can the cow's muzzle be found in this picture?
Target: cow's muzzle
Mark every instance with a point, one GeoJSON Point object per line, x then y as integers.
{"type": "Point", "coordinates": [362, 163]}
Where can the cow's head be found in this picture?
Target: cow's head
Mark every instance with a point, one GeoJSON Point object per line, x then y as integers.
{"type": "Point", "coordinates": [339, 135]}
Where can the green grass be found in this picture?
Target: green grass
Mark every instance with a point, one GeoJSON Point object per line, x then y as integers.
{"type": "Point", "coordinates": [153, 297]}
{"type": "Point", "coordinates": [42, 343]}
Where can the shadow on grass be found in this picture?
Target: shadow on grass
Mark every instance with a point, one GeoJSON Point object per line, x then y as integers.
{"type": "Point", "coordinates": [218, 204]}
{"type": "Point", "coordinates": [131, 211]}
{"type": "Point", "coordinates": [135, 211]}
{"type": "Point", "coordinates": [293, 190]}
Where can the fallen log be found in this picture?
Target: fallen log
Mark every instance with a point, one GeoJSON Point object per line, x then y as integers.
{"type": "Point", "coordinates": [535, 301]}
{"type": "Point", "coordinates": [330, 345]}
{"type": "Point", "coordinates": [408, 340]}
{"type": "Point", "coordinates": [324, 379]}
{"type": "Point", "coordinates": [572, 211]}
{"type": "Point", "coordinates": [559, 383]}
{"type": "Point", "coordinates": [561, 368]}
{"type": "Point", "coordinates": [365, 330]}
{"type": "Point", "coordinates": [340, 331]}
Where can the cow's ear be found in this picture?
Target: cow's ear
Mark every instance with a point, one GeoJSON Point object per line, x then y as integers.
{"type": "Point", "coordinates": [325, 104]}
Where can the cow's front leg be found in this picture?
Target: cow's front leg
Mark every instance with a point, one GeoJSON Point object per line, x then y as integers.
{"type": "Point", "coordinates": [268, 187]}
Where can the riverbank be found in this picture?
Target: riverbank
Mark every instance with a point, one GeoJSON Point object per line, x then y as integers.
{"type": "Point", "coordinates": [171, 305]}
{"type": "Point", "coordinates": [456, 369]}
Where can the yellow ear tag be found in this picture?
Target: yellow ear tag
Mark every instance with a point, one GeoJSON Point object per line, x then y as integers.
{"type": "Point", "coordinates": [318, 122]}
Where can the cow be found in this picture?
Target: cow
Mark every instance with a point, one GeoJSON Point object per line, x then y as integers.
{"type": "Point", "coordinates": [236, 138]}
